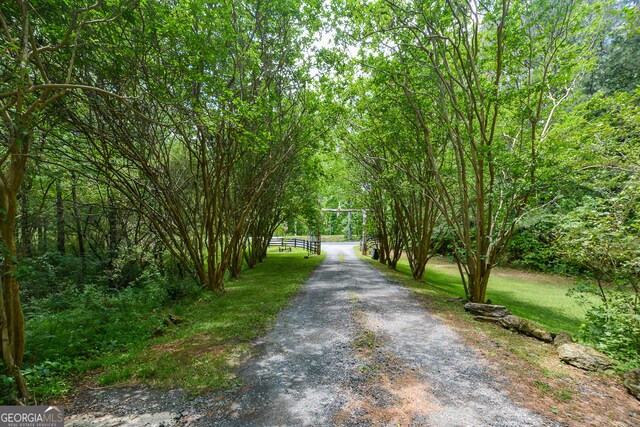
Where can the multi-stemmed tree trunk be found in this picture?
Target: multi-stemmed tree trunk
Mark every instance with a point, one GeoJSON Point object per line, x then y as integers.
{"type": "Point", "coordinates": [236, 259]}
{"type": "Point", "coordinates": [384, 214]}
{"type": "Point", "coordinates": [11, 317]}
{"type": "Point", "coordinates": [194, 157]}
{"type": "Point", "coordinates": [26, 223]}
{"type": "Point", "coordinates": [461, 66]}
{"type": "Point", "coordinates": [418, 219]}
{"type": "Point", "coordinates": [265, 219]}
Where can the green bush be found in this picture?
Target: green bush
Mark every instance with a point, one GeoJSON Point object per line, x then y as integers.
{"type": "Point", "coordinates": [49, 378]}
{"type": "Point", "coordinates": [75, 313]}
{"type": "Point", "coordinates": [532, 248]}
{"type": "Point", "coordinates": [184, 288]}
{"type": "Point", "coordinates": [8, 391]}
{"type": "Point", "coordinates": [95, 319]}
{"type": "Point", "coordinates": [53, 272]}
{"type": "Point", "coordinates": [614, 328]}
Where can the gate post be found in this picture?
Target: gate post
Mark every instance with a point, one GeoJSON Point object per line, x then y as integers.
{"type": "Point", "coordinates": [363, 242]}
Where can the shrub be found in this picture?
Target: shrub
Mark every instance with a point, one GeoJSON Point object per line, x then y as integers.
{"type": "Point", "coordinates": [602, 236]}
{"type": "Point", "coordinates": [532, 247]}
{"type": "Point", "coordinates": [48, 378]}
{"type": "Point", "coordinates": [96, 319]}
{"type": "Point", "coordinates": [53, 272]}
{"type": "Point", "coordinates": [614, 328]}
{"type": "Point", "coordinates": [8, 393]}
{"type": "Point", "coordinates": [78, 311]}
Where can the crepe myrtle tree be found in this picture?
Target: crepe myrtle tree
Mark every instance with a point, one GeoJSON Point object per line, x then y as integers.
{"type": "Point", "coordinates": [484, 81]}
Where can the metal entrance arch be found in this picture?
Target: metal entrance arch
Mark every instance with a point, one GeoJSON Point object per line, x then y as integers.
{"type": "Point", "coordinates": [363, 239]}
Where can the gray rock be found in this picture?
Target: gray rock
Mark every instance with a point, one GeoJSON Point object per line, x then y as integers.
{"type": "Point", "coordinates": [486, 310]}
{"type": "Point", "coordinates": [487, 319]}
{"type": "Point", "coordinates": [562, 338]}
{"type": "Point", "coordinates": [583, 357]}
{"type": "Point", "coordinates": [632, 382]}
{"type": "Point", "coordinates": [525, 327]}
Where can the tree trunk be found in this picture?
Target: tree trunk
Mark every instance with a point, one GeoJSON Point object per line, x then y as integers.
{"type": "Point", "coordinates": [60, 217]}
{"type": "Point", "coordinates": [158, 258]}
{"type": "Point", "coordinates": [112, 236]}
{"type": "Point", "coordinates": [394, 242]}
{"type": "Point", "coordinates": [26, 246]}
{"type": "Point", "coordinates": [418, 266]}
{"type": "Point", "coordinates": [237, 259]}
{"type": "Point", "coordinates": [77, 221]}
{"type": "Point", "coordinates": [215, 266]}
{"type": "Point", "coordinates": [383, 249]}
{"type": "Point", "coordinates": [478, 282]}
{"type": "Point", "coordinates": [319, 239]}
{"type": "Point", "coordinates": [256, 250]}
{"type": "Point", "coordinates": [11, 316]}
{"type": "Point", "coordinates": [42, 237]}
{"type": "Point", "coordinates": [215, 276]}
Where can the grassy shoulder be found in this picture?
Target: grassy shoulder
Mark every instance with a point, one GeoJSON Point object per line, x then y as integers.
{"type": "Point", "coordinates": [541, 298]}
{"type": "Point", "coordinates": [529, 370]}
{"type": "Point", "coordinates": [213, 339]}
{"type": "Point", "coordinates": [193, 343]}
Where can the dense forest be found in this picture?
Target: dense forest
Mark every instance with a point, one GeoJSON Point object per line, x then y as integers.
{"type": "Point", "coordinates": [152, 148]}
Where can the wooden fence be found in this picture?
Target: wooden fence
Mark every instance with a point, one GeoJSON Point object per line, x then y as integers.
{"type": "Point", "coordinates": [285, 242]}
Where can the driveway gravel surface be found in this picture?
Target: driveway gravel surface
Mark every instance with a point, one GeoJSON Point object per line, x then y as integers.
{"type": "Point", "coordinates": [353, 348]}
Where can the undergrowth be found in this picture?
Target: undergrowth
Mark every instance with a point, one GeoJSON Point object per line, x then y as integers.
{"type": "Point", "coordinates": [166, 332]}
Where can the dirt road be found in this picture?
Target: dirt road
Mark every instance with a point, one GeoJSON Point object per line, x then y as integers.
{"type": "Point", "coordinates": [353, 348]}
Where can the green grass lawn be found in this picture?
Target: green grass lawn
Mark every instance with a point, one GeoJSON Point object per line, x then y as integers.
{"type": "Point", "coordinates": [534, 296]}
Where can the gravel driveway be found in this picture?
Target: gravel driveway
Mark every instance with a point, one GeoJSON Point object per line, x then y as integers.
{"type": "Point", "coordinates": [353, 348]}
